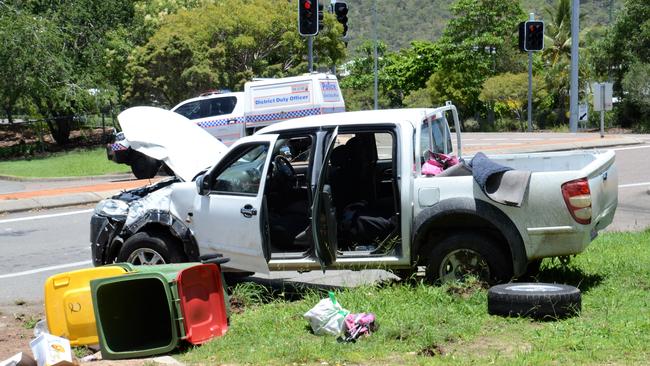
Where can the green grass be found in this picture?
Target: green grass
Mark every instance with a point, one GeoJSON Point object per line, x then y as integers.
{"type": "Point", "coordinates": [75, 163]}
{"type": "Point", "coordinates": [421, 324]}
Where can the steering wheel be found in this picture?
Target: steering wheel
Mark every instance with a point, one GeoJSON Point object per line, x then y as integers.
{"type": "Point", "coordinates": [282, 168]}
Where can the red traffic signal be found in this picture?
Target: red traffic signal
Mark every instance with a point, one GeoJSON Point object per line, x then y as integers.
{"type": "Point", "coordinates": [531, 36]}
{"type": "Point", "coordinates": [308, 17]}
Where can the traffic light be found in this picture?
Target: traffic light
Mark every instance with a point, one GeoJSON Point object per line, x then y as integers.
{"type": "Point", "coordinates": [531, 35]}
{"type": "Point", "coordinates": [321, 17]}
{"type": "Point", "coordinates": [341, 12]}
{"type": "Point", "coordinates": [308, 17]}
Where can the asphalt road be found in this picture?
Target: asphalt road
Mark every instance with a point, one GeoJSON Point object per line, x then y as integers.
{"type": "Point", "coordinates": [36, 245]}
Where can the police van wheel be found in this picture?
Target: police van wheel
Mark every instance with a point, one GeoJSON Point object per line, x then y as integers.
{"type": "Point", "coordinates": [144, 167]}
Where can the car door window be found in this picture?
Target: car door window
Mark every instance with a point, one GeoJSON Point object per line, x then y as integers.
{"type": "Point", "coordinates": [244, 174]}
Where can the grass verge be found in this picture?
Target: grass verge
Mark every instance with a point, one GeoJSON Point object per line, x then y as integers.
{"type": "Point", "coordinates": [421, 324]}
{"type": "Point", "coordinates": [76, 163]}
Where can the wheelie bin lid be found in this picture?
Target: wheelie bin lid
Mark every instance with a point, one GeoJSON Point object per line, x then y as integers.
{"type": "Point", "coordinates": [68, 303]}
{"type": "Point", "coordinates": [202, 303]}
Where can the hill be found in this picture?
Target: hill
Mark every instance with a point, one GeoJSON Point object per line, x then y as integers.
{"type": "Point", "coordinates": [402, 21]}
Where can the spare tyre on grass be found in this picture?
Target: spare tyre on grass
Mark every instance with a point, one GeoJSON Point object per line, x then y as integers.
{"type": "Point", "coordinates": [535, 300]}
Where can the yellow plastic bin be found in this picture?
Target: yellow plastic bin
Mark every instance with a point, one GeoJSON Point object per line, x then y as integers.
{"type": "Point", "coordinates": [68, 303]}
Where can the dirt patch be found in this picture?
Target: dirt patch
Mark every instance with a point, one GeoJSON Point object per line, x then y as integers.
{"type": "Point", "coordinates": [486, 345]}
{"type": "Point", "coordinates": [432, 351]}
{"type": "Point", "coordinates": [466, 289]}
{"type": "Point", "coordinates": [15, 335]}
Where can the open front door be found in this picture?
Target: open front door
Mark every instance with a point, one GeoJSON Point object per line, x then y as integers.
{"type": "Point", "coordinates": [229, 218]}
{"type": "Point", "coordinates": [323, 221]}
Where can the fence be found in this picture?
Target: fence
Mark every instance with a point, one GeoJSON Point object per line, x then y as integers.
{"type": "Point", "coordinates": [26, 137]}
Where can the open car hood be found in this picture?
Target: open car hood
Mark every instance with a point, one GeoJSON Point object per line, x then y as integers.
{"type": "Point", "coordinates": [186, 148]}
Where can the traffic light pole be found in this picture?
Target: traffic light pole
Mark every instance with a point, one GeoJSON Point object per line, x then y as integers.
{"type": "Point", "coordinates": [310, 53]}
{"type": "Point", "coordinates": [573, 99]}
{"type": "Point", "coordinates": [530, 85]}
{"type": "Point", "coordinates": [375, 56]}
{"type": "Point", "coordinates": [530, 91]}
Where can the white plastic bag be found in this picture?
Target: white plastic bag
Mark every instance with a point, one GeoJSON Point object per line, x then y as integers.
{"type": "Point", "coordinates": [327, 317]}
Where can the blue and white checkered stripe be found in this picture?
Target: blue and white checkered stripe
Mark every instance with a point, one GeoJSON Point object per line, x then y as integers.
{"type": "Point", "coordinates": [258, 118]}
{"type": "Point", "coordinates": [118, 147]}
{"type": "Point", "coordinates": [221, 122]}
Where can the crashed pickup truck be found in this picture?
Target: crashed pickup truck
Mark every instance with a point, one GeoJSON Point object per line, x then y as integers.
{"type": "Point", "coordinates": [354, 191]}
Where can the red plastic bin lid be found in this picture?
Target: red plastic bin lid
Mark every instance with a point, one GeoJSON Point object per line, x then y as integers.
{"type": "Point", "coordinates": [202, 302]}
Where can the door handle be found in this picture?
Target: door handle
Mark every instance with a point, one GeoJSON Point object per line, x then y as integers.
{"type": "Point", "coordinates": [248, 211]}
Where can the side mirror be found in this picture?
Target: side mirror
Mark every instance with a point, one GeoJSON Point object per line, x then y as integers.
{"type": "Point", "coordinates": [202, 185]}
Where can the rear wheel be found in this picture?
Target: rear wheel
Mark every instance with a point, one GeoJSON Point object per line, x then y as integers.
{"type": "Point", "coordinates": [150, 249]}
{"type": "Point", "coordinates": [468, 254]}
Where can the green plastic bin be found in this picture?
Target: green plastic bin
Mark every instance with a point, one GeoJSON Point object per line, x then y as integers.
{"type": "Point", "coordinates": [143, 313]}
{"type": "Point", "coordinates": [135, 315]}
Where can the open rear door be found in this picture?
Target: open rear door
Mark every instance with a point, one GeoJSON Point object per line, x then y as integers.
{"type": "Point", "coordinates": [323, 221]}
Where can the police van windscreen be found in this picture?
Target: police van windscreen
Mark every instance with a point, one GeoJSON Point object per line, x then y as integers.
{"type": "Point", "coordinates": [207, 107]}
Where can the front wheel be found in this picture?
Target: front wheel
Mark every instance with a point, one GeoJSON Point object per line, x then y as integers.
{"type": "Point", "coordinates": [468, 254]}
{"type": "Point", "coordinates": [151, 249]}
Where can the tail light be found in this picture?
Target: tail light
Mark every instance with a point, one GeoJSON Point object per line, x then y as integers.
{"type": "Point", "coordinates": [577, 197]}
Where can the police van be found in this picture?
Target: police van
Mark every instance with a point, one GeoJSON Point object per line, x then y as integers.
{"type": "Point", "coordinates": [229, 116]}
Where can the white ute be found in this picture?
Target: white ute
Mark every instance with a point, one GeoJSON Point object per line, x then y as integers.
{"type": "Point", "coordinates": [348, 191]}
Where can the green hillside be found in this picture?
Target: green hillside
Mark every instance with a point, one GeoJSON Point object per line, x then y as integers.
{"type": "Point", "coordinates": [402, 21]}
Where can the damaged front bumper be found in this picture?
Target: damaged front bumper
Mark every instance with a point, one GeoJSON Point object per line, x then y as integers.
{"type": "Point", "coordinates": [104, 239]}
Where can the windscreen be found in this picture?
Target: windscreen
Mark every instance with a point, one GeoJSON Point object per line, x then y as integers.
{"type": "Point", "coordinates": [207, 107]}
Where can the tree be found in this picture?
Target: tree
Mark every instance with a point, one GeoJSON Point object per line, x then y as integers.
{"type": "Point", "coordinates": [627, 43]}
{"type": "Point", "coordinates": [24, 55]}
{"type": "Point", "coordinates": [473, 48]}
{"type": "Point", "coordinates": [216, 47]}
{"type": "Point", "coordinates": [636, 83]}
{"type": "Point", "coordinates": [70, 75]}
{"type": "Point", "coordinates": [510, 92]}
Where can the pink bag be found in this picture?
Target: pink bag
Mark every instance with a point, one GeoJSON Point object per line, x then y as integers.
{"type": "Point", "coordinates": [357, 325]}
{"type": "Point", "coordinates": [437, 163]}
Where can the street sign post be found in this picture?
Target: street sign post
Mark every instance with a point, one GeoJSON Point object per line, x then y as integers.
{"type": "Point", "coordinates": [583, 113]}
{"type": "Point", "coordinates": [602, 101]}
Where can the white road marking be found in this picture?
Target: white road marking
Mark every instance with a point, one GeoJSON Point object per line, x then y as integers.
{"type": "Point", "coordinates": [632, 148]}
{"type": "Point", "coordinates": [634, 185]}
{"type": "Point", "coordinates": [44, 269]}
{"type": "Point", "coordinates": [45, 216]}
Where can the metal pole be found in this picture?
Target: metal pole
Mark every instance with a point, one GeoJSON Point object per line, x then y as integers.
{"type": "Point", "coordinates": [530, 91]}
{"type": "Point", "coordinates": [374, 21]}
{"type": "Point", "coordinates": [310, 53]}
{"type": "Point", "coordinates": [602, 109]}
{"type": "Point", "coordinates": [530, 84]}
{"type": "Point", "coordinates": [575, 30]}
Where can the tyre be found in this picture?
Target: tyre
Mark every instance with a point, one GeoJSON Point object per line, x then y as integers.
{"type": "Point", "coordinates": [536, 300]}
{"type": "Point", "coordinates": [151, 248]}
{"type": "Point", "coordinates": [468, 254]}
{"type": "Point", "coordinates": [144, 167]}
{"type": "Point", "coordinates": [532, 269]}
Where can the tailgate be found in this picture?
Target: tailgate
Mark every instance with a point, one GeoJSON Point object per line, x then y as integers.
{"type": "Point", "coordinates": [603, 184]}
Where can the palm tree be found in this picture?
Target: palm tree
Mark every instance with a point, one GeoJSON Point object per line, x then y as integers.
{"type": "Point", "coordinates": [557, 56]}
